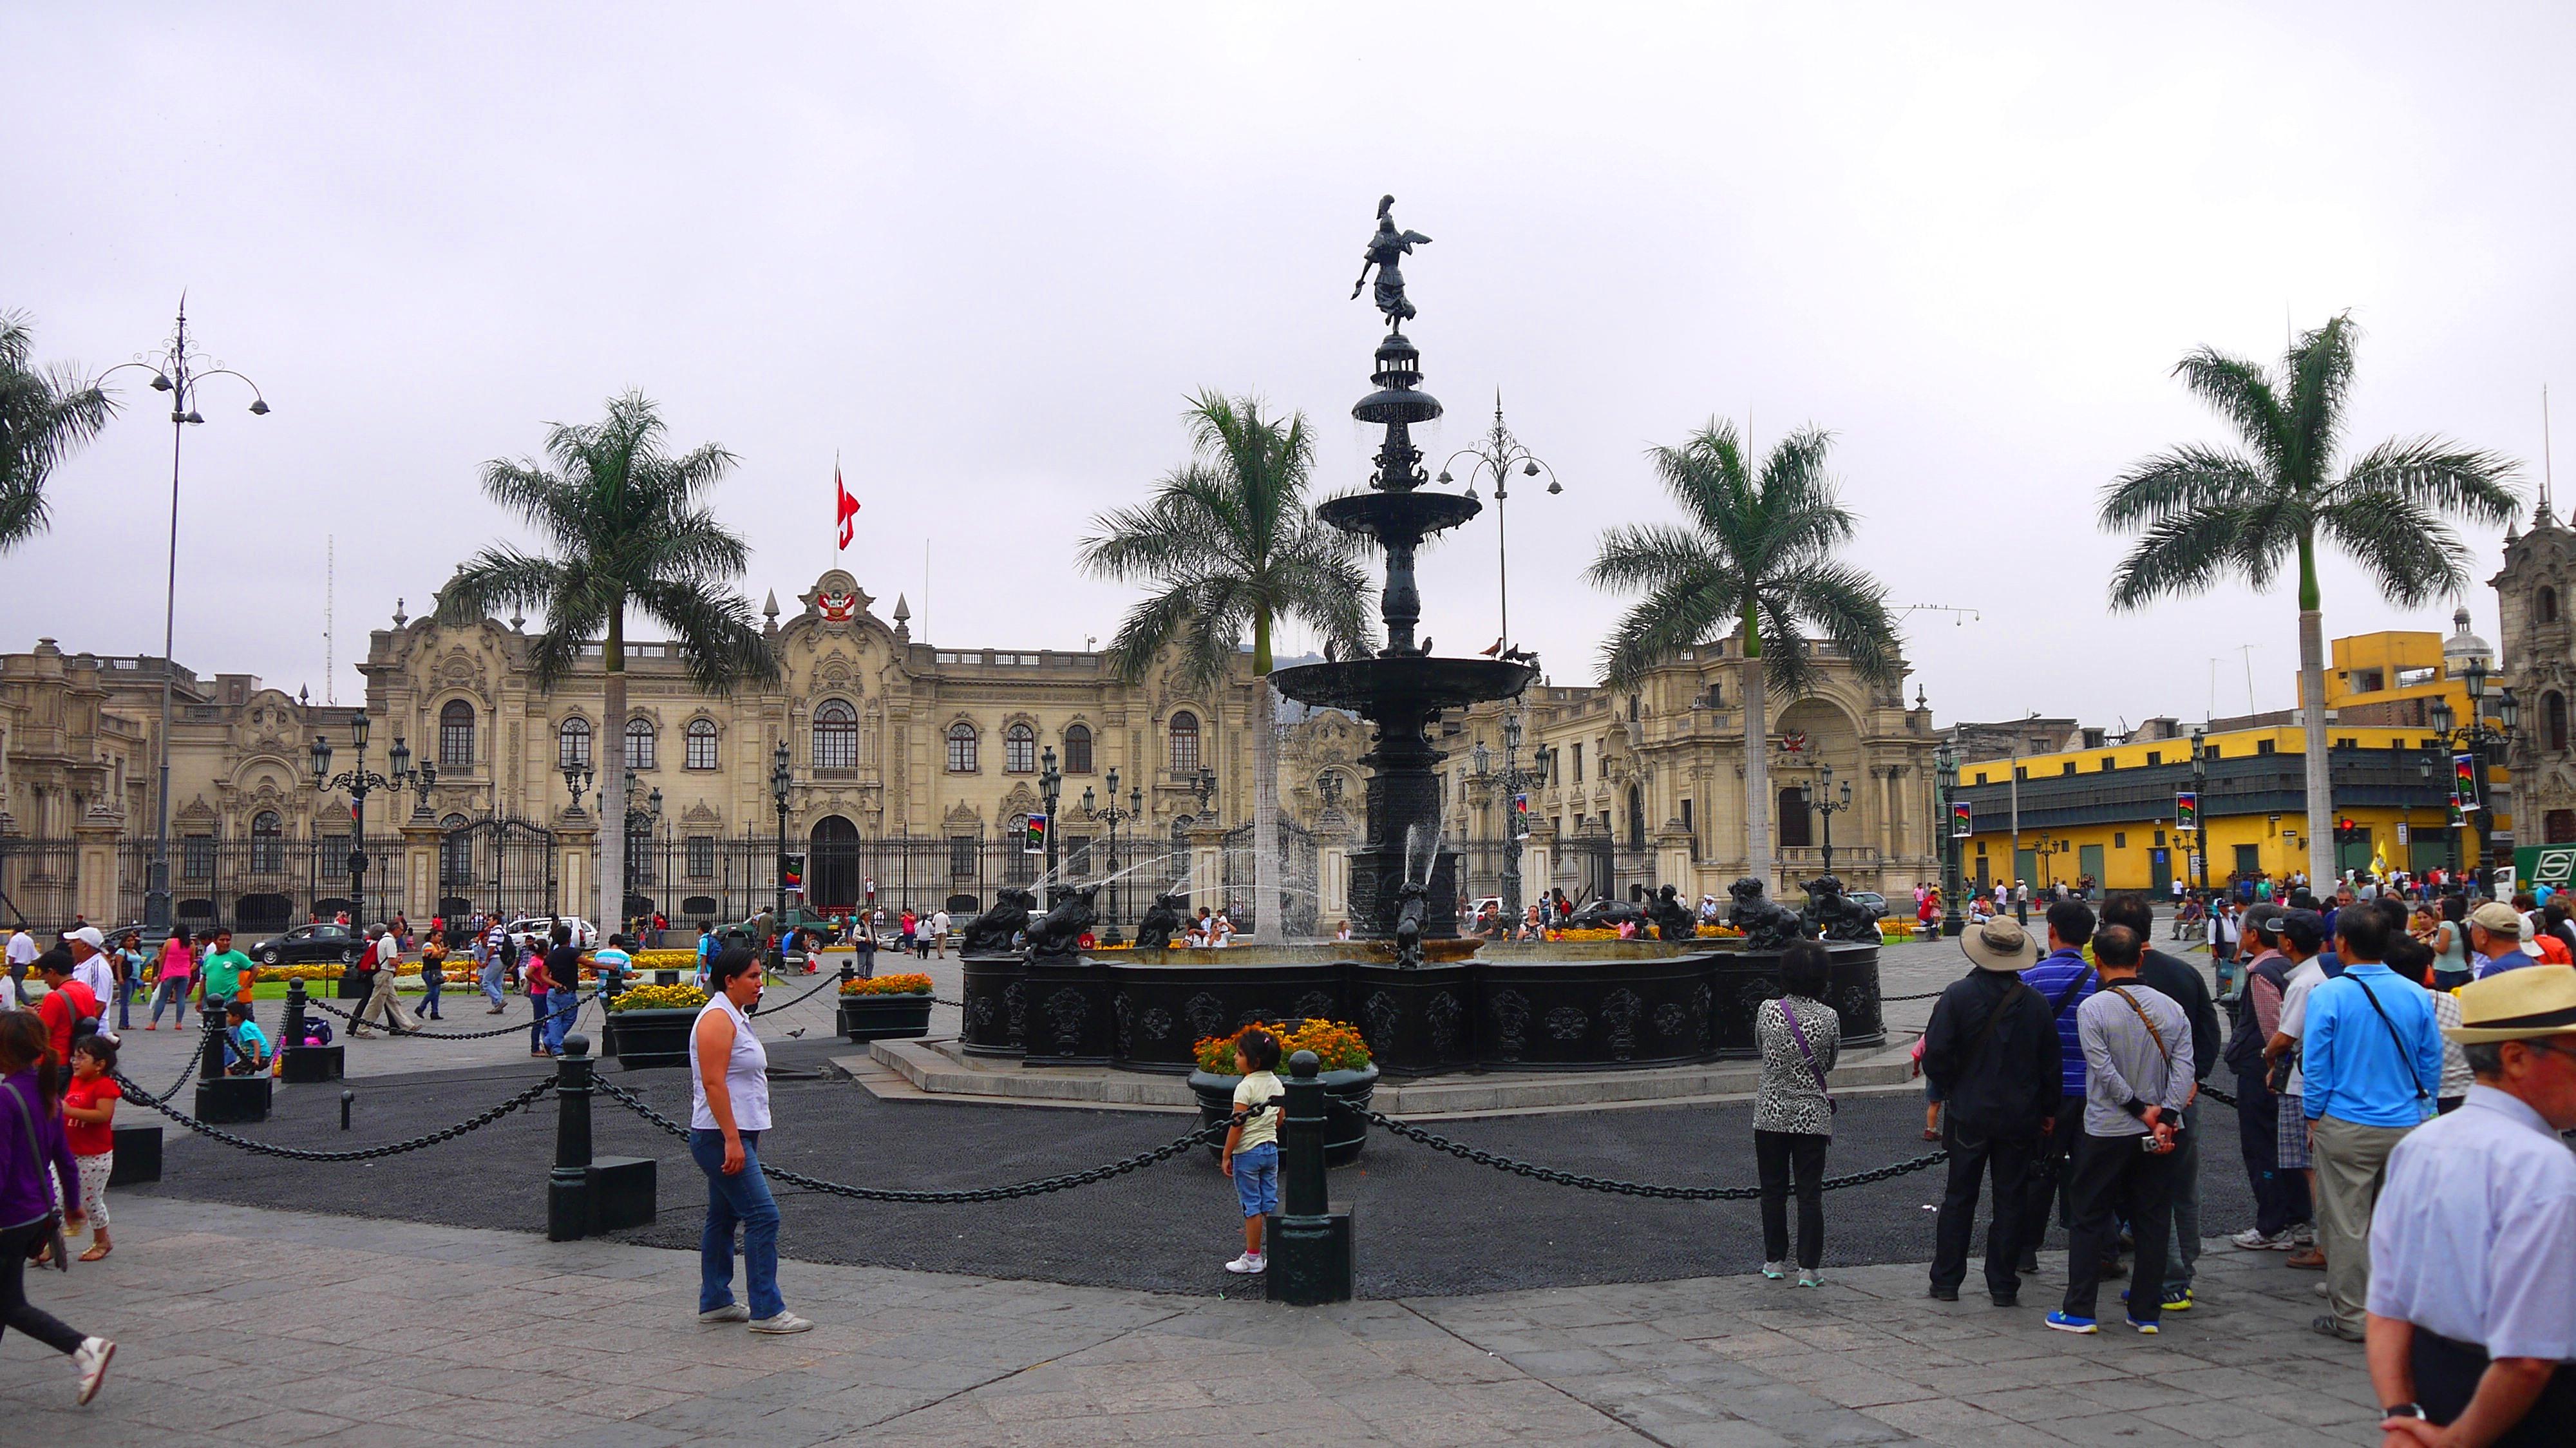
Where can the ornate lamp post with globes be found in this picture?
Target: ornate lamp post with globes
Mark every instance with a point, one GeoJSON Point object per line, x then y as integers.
{"type": "Point", "coordinates": [1945, 772]}
{"type": "Point", "coordinates": [1112, 816]}
{"type": "Point", "coordinates": [359, 782]}
{"type": "Point", "coordinates": [1828, 806]}
{"type": "Point", "coordinates": [2476, 737]}
{"type": "Point", "coordinates": [781, 780]}
{"type": "Point", "coordinates": [1050, 789]}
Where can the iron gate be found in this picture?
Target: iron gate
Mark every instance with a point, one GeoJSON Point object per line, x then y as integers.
{"type": "Point", "coordinates": [503, 867]}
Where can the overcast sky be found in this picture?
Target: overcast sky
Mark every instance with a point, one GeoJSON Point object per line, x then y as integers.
{"type": "Point", "coordinates": [985, 253]}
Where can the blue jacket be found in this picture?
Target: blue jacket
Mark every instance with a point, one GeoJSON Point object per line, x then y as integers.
{"type": "Point", "coordinates": [2355, 1068]}
{"type": "Point", "coordinates": [2055, 972]}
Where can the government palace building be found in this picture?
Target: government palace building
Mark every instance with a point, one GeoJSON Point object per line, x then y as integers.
{"type": "Point", "coordinates": [912, 772]}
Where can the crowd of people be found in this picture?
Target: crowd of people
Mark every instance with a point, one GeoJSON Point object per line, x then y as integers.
{"type": "Point", "coordinates": [2403, 1059]}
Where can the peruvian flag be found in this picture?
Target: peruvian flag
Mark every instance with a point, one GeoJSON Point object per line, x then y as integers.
{"type": "Point", "coordinates": [844, 506]}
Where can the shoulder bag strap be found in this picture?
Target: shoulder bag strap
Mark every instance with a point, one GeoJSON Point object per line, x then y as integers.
{"type": "Point", "coordinates": [1993, 1019]}
{"type": "Point", "coordinates": [2399, 1041]}
{"type": "Point", "coordinates": [2147, 1021]}
{"type": "Point", "coordinates": [2074, 988]}
{"type": "Point", "coordinates": [1798, 1034]}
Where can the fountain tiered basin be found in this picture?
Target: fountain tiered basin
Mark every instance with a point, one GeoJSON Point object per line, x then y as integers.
{"type": "Point", "coordinates": [1471, 1005]}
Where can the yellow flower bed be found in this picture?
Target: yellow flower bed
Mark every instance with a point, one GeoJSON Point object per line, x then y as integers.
{"type": "Point", "coordinates": [1336, 1044]}
{"type": "Point", "coordinates": [664, 959]}
{"type": "Point", "coordinates": [910, 984]}
{"type": "Point", "coordinates": [659, 998]}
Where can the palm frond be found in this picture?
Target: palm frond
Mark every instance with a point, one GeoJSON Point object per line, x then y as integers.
{"type": "Point", "coordinates": [2183, 553]}
{"type": "Point", "coordinates": [2320, 370]}
{"type": "Point", "coordinates": [2188, 478]}
{"type": "Point", "coordinates": [44, 417]}
{"type": "Point", "coordinates": [1849, 608]}
{"type": "Point", "coordinates": [714, 630]}
{"type": "Point", "coordinates": [2439, 475]}
{"type": "Point", "coordinates": [2239, 391]}
{"type": "Point", "coordinates": [1148, 629]}
{"type": "Point", "coordinates": [1788, 659]}
{"type": "Point", "coordinates": [1683, 609]}
{"type": "Point", "coordinates": [2408, 551]}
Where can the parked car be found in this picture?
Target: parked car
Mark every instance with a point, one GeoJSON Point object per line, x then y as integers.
{"type": "Point", "coordinates": [819, 922]}
{"type": "Point", "coordinates": [324, 943]}
{"type": "Point", "coordinates": [537, 932]}
{"type": "Point", "coordinates": [1871, 900]}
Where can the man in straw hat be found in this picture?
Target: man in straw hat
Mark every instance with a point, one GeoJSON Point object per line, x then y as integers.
{"type": "Point", "coordinates": [2472, 1312]}
{"type": "Point", "coordinates": [1993, 1052]}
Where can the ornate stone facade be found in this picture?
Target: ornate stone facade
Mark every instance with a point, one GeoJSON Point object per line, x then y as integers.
{"type": "Point", "coordinates": [2534, 591]}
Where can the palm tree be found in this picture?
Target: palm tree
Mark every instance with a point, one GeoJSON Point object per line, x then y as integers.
{"type": "Point", "coordinates": [43, 417]}
{"type": "Point", "coordinates": [1754, 555]}
{"type": "Point", "coordinates": [626, 528]}
{"type": "Point", "coordinates": [2206, 514]}
{"type": "Point", "coordinates": [1227, 543]}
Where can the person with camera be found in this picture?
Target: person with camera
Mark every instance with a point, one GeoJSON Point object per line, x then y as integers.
{"type": "Point", "coordinates": [2138, 1077]}
{"type": "Point", "coordinates": [2371, 1059]}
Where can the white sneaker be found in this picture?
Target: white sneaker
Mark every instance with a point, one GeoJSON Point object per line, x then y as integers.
{"type": "Point", "coordinates": [1248, 1263]}
{"type": "Point", "coordinates": [90, 1361]}
{"type": "Point", "coordinates": [784, 1322]}
{"type": "Point", "coordinates": [2253, 1240]}
{"type": "Point", "coordinates": [730, 1312]}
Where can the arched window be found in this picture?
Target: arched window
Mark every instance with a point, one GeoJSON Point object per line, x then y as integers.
{"type": "Point", "coordinates": [1019, 750]}
{"type": "Point", "coordinates": [267, 842]}
{"type": "Point", "coordinates": [836, 735]}
{"type": "Point", "coordinates": [572, 744]}
{"type": "Point", "coordinates": [456, 736]}
{"type": "Point", "coordinates": [961, 748]}
{"type": "Point", "coordinates": [639, 743]}
{"type": "Point", "coordinates": [2553, 720]}
{"type": "Point", "coordinates": [702, 744]}
{"type": "Point", "coordinates": [2546, 606]}
{"type": "Point", "coordinates": [455, 854]}
{"type": "Point", "coordinates": [1077, 749]}
{"type": "Point", "coordinates": [1185, 743]}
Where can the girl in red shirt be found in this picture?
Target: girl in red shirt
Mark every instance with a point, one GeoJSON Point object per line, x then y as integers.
{"type": "Point", "coordinates": [89, 1117]}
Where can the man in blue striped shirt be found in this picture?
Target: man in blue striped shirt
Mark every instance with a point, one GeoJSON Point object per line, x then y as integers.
{"type": "Point", "coordinates": [2064, 980]}
{"type": "Point", "coordinates": [2371, 1056]}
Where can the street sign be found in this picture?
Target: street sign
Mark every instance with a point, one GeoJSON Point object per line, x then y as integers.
{"type": "Point", "coordinates": [2404, 834]}
{"type": "Point", "coordinates": [2464, 781]}
{"type": "Point", "coordinates": [1035, 844]}
{"type": "Point", "coordinates": [2551, 865]}
{"type": "Point", "coordinates": [1963, 819]}
{"type": "Point", "coordinates": [2187, 809]}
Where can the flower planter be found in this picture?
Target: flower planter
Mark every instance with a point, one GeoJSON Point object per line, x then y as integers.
{"type": "Point", "coordinates": [648, 1038]}
{"type": "Point", "coordinates": [1346, 1094]}
{"type": "Point", "coordinates": [884, 1017]}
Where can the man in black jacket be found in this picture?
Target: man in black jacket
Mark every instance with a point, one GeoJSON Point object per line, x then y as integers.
{"type": "Point", "coordinates": [2179, 982]}
{"type": "Point", "coordinates": [1993, 1051]}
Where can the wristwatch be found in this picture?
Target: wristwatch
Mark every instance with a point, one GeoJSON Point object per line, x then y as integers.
{"type": "Point", "coordinates": [2405, 1410]}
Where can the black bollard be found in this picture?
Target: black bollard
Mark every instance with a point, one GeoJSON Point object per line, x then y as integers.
{"type": "Point", "coordinates": [587, 1196]}
{"type": "Point", "coordinates": [298, 1063]}
{"type": "Point", "coordinates": [220, 1098]}
{"type": "Point", "coordinates": [1309, 1239]}
{"type": "Point", "coordinates": [347, 1100]}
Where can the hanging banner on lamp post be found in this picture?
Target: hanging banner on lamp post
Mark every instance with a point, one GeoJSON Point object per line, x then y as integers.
{"type": "Point", "coordinates": [2464, 782]}
{"type": "Point", "coordinates": [1035, 843]}
{"type": "Point", "coordinates": [2187, 809]}
{"type": "Point", "coordinates": [1963, 819]}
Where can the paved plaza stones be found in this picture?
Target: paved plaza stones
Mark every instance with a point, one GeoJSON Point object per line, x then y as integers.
{"type": "Point", "coordinates": [254, 1326]}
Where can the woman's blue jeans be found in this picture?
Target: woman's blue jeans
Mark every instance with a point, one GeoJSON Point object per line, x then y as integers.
{"type": "Point", "coordinates": [744, 1198]}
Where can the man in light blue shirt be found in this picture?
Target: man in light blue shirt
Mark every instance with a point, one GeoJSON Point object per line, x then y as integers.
{"type": "Point", "coordinates": [2472, 1320]}
{"type": "Point", "coordinates": [2371, 1056]}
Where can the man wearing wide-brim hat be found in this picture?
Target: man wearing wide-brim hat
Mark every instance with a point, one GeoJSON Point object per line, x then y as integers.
{"type": "Point", "coordinates": [2472, 1307]}
{"type": "Point", "coordinates": [1992, 1051]}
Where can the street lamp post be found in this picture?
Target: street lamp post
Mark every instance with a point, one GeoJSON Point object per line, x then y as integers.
{"type": "Point", "coordinates": [2477, 737]}
{"type": "Point", "coordinates": [177, 371]}
{"type": "Point", "coordinates": [359, 782]}
{"type": "Point", "coordinates": [1827, 806]}
{"type": "Point", "coordinates": [1945, 773]}
{"type": "Point", "coordinates": [1050, 788]}
{"type": "Point", "coordinates": [1512, 780]}
{"type": "Point", "coordinates": [2200, 817]}
{"type": "Point", "coordinates": [648, 814]}
{"type": "Point", "coordinates": [1497, 454]}
{"type": "Point", "coordinates": [1113, 816]}
{"type": "Point", "coordinates": [781, 780]}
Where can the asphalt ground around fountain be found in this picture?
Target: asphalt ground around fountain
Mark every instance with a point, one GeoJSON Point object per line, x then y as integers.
{"type": "Point", "coordinates": [1427, 1223]}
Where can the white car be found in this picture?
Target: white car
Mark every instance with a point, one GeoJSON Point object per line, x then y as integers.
{"type": "Point", "coordinates": [537, 932]}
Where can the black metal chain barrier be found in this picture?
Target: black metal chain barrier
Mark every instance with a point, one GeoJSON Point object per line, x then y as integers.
{"type": "Point", "coordinates": [393, 1030]}
{"type": "Point", "coordinates": [1631, 1189]}
{"type": "Point", "coordinates": [941, 1001]}
{"type": "Point", "coordinates": [296, 1153]}
{"type": "Point", "coordinates": [1929, 995]}
{"type": "Point", "coordinates": [190, 1069]}
{"type": "Point", "coordinates": [826, 983]}
{"type": "Point", "coordinates": [1203, 1136]}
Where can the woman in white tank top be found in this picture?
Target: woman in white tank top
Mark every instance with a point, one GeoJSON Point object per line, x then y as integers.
{"type": "Point", "coordinates": [728, 1110]}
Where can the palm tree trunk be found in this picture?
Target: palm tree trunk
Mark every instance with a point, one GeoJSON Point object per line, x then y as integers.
{"type": "Point", "coordinates": [2312, 714]}
{"type": "Point", "coordinates": [1269, 915]}
{"type": "Point", "coordinates": [1757, 765]}
{"type": "Point", "coordinates": [612, 780]}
